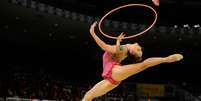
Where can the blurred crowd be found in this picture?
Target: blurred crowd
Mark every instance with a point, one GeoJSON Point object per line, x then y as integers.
{"type": "Point", "coordinates": [44, 86]}
{"type": "Point", "coordinates": [41, 85]}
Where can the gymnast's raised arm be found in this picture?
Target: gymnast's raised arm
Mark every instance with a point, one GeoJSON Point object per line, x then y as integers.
{"type": "Point", "coordinates": [109, 48]}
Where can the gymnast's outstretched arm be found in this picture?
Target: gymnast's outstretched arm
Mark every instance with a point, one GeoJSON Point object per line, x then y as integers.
{"type": "Point", "coordinates": [109, 48]}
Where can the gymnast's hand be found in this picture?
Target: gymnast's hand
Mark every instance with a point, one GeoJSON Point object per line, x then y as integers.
{"type": "Point", "coordinates": [93, 27]}
{"type": "Point", "coordinates": [121, 37]}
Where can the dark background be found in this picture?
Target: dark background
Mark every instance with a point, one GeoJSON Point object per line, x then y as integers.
{"type": "Point", "coordinates": [33, 41]}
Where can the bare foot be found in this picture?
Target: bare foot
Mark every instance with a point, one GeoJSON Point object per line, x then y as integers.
{"type": "Point", "coordinates": [174, 58]}
{"type": "Point", "coordinates": [156, 2]}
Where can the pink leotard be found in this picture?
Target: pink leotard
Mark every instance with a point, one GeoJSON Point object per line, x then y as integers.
{"type": "Point", "coordinates": [108, 65]}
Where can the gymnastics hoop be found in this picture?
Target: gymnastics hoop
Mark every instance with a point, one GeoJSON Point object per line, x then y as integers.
{"type": "Point", "coordinates": [124, 6]}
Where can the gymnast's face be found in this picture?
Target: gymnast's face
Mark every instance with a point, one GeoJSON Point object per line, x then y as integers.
{"type": "Point", "coordinates": [135, 49]}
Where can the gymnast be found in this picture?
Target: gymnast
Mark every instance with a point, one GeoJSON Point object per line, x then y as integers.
{"type": "Point", "coordinates": [113, 72]}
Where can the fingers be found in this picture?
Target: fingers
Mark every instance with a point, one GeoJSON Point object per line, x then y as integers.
{"type": "Point", "coordinates": [122, 35]}
{"type": "Point", "coordinates": [93, 26]}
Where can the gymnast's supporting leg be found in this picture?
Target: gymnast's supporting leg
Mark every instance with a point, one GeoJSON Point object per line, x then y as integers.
{"type": "Point", "coordinates": [120, 73]}
{"type": "Point", "coordinates": [99, 89]}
